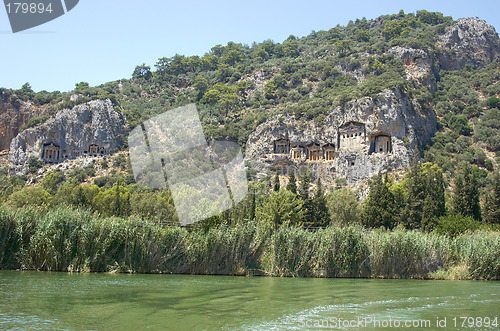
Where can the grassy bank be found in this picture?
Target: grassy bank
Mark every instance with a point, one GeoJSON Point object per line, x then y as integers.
{"type": "Point", "coordinates": [64, 239]}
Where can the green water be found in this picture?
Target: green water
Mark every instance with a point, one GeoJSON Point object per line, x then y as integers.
{"type": "Point", "coordinates": [41, 300]}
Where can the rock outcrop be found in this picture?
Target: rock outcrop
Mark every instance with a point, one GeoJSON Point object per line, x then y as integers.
{"type": "Point", "coordinates": [468, 41]}
{"type": "Point", "coordinates": [12, 117]}
{"type": "Point", "coordinates": [354, 142]}
{"type": "Point", "coordinates": [369, 135]}
{"type": "Point", "coordinates": [418, 64]}
{"type": "Point", "coordinates": [90, 129]}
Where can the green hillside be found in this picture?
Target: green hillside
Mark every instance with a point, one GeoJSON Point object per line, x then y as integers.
{"type": "Point", "coordinates": [236, 87]}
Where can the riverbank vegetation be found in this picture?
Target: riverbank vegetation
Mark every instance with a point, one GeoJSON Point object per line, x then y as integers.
{"type": "Point", "coordinates": [65, 239]}
{"type": "Point", "coordinates": [437, 219]}
{"type": "Point", "coordinates": [410, 228]}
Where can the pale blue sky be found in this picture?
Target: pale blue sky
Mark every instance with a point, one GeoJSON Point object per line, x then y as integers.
{"type": "Point", "coordinates": [103, 40]}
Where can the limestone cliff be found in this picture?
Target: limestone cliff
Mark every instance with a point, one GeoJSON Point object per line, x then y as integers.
{"type": "Point", "coordinates": [90, 129]}
{"type": "Point", "coordinates": [353, 142]}
{"type": "Point", "coordinates": [13, 116]}
{"type": "Point", "coordinates": [370, 135]}
{"type": "Point", "coordinates": [468, 41]}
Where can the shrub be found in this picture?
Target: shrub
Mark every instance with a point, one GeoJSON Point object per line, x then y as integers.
{"type": "Point", "coordinates": [30, 196]}
{"type": "Point", "coordinates": [34, 164]}
{"type": "Point", "coordinates": [34, 122]}
{"type": "Point", "coordinates": [343, 207]}
{"type": "Point", "coordinates": [52, 180]}
{"type": "Point", "coordinates": [454, 225]}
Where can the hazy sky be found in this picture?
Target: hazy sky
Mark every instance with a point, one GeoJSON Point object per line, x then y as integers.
{"type": "Point", "coordinates": [103, 40]}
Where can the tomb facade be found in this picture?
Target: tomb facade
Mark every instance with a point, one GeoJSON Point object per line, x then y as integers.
{"type": "Point", "coordinates": [352, 136]}
{"type": "Point", "coordinates": [381, 143]}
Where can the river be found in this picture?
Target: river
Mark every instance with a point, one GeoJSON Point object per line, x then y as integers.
{"type": "Point", "coordinates": [64, 301]}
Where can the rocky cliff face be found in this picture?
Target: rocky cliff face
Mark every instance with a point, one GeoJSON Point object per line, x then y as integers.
{"type": "Point", "coordinates": [12, 117]}
{"type": "Point", "coordinates": [418, 63]}
{"type": "Point", "coordinates": [468, 41]}
{"type": "Point", "coordinates": [370, 135]}
{"type": "Point", "coordinates": [364, 137]}
{"type": "Point", "coordinates": [91, 129]}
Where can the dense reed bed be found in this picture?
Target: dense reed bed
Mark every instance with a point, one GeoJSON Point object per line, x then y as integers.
{"type": "Point", "coordinates": [64, 239]}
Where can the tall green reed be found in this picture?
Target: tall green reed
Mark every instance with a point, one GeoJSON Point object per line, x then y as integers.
{"type": "Point", "coordinates": [65, 239]}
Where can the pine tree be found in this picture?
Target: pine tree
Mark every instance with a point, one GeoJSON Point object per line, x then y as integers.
{"type": "Point", "coordinates": [466, 194]}
{"type": "Point", "coordinates": [276, 186]}
{"type": "Point", "coordinates": [282, 208]}
{"type": "Point", "coordinates": [292, 183]}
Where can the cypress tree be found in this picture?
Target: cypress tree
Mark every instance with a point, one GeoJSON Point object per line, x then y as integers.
{"type": "Point", "coordinates": [378, 207]}
{"type": "Point", "coordinates": [252, 203]}
{"type": "Point", "coordinates": [491, 212]}
{"type": "Point", "coordinates": [320, 210]}
{"type": "Point", "coordinates": [307, 203]}
{"type": "Point", "coordinates": [415, 195]}
{"type": "Point", "coordinates": [117, 208]}
{"type": "Point", "coordinates": [292, 183]}
{"type": "Point", "coordinates": [425, 200]}
{"type": "Point", "coordinates": [434, 197]}
{"type": "Point", "coordinates": [303, 189]}
{"type": "Point", "coordinates": [466, 194]}
{"type": "Point", "coordinates": [276, 186]}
